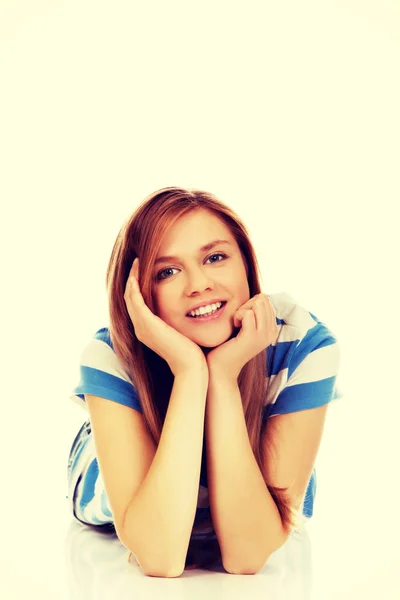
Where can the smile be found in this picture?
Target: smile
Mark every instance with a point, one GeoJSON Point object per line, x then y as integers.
{"type": "Point", "coordinates": [211, 317]}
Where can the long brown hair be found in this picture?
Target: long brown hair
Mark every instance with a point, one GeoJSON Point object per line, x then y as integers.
{"type": "Point", "coordinates": [141, 236]}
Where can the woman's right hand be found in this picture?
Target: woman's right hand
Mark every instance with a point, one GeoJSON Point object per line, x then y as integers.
{"type": "Point", "coordinates": [180, 353]}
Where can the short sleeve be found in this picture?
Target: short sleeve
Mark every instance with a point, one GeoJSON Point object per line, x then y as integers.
{"type": "Point", "coordinates": [312, 374]}
{"type": "Point", "coordinates": [101, 374]}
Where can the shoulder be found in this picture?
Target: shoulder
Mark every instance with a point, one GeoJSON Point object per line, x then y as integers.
{"type": "Point", "coordinates": [103, 335]}
{"type": "Point", "coordinates": [99, 353]}
{"type": "Point", "coordinates": [300, 330]}
{"type": "Point", "coordinates": [103, 374]}
{"type": "Point", "coordinates": [303, 363]}
{"type": "Point", "coordinates": [291, 313]}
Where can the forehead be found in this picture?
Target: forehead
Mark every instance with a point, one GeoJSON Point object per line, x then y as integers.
{"type": "Point", "coordinates": [194, 230]}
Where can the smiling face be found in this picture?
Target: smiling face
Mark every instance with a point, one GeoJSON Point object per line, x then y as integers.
{"type": "Point", "coordinates": [197, 276]}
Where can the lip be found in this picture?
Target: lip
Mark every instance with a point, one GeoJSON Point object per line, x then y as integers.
{"type": "Point", "coordinates": [212, 317]}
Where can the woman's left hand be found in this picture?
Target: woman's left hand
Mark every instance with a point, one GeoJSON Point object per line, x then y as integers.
{"type": "Point", "coordinates": [257, 320]}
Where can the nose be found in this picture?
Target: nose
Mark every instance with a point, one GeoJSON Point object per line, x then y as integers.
{"type": "Point", "coordinates": [198, 281]}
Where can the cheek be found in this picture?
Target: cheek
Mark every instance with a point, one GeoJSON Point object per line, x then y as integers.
{"type": "Point", "coordinates": [165, 307]}
{"type": "Point", "coordinates": [159, 307]}
{"type": "Point", "coordinates": [244, 292]}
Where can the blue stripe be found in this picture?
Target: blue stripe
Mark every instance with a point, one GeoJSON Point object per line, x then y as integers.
{"type": "Point", "coordinates": [310, 495]}
{"type": "Point", "coordinates": [88, 493]}
{"type": "Point", "coordinates": [302, 396]}
{"type": "Point", "coordinates": [77, 455]}
{"type": "Point", "coordinates": [99, 383]}
{"type": "Point", "coordinates": [103, 335]}
{"type": "Point", "coordinates": [89, 483]}
{"type": "Point", "coordinates": [280, 355]}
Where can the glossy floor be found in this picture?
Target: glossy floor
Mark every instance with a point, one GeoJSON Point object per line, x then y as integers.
{"type": "Point", "coordinates": [346, 552]}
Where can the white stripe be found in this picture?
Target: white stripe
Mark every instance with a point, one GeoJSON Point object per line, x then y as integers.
{"type": "Point", "coordinates": [317, 365]}
{"type": "Point", "coordinates": [276, 383]}
{"type": "Point", "coordinates": [98, 355]}
{"type": "Point", "coordinates": [288, 310]}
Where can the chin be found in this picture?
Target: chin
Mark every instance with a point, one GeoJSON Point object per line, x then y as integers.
{"type": "Point", "coordinates": [207, 347]}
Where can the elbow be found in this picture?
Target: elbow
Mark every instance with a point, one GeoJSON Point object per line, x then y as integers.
{"type": "Point", "coordinates": [257, 562]}
{"type": "Point", "coordinates": [164, 573]}
{"type": "Point", "coordinates": [164, 570]}
{"type": "Point", "coordinates": [252, 567]}
{"type": "Point", "coordinates": [148, 565]}
{"type": "Point", "coordinates": [152, 570]}
{"type": "Point", "coordinates": [244, 570]}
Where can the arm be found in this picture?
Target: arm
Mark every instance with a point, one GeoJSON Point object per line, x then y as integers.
{"type": "Point", "coordinates": [245, 517]}
{"type": "Point", "coordinates": [160, 517]}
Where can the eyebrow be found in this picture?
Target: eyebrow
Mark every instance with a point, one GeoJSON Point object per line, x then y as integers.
{"type": "Point", "coordinates": [205, 248]}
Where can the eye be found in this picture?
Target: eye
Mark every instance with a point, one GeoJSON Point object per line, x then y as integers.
{"type": "Point", "coordinates": [159, 278]}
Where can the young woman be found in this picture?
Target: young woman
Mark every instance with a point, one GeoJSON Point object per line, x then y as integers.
{"type": "Point", "coordinates": [204, 423]}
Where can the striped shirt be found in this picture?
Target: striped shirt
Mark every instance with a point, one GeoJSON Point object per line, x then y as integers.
{"type": "Point", "coordinates": [302, 367]}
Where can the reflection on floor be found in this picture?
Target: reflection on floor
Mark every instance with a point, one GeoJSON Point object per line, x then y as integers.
{"type": "Point", "coordinates": [97, 567]}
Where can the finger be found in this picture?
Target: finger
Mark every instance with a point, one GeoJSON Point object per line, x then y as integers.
{"type": "Point", "coordinates": [133, 282]}
{"type": "Point", "coordinates": [248, 305]}
{"type": "Point", "coordinates": [272, 312]}
{"type": "Point", "coordinates": [135, 268]}
{"type": "Point", "coordinates": [131, 272]}
{"type": "Point", "coordinates": [269, 317]}
{"type": "Point", "coordinates": [266, 320]}
{"type": "Point", "coordinates": [237, 318]}
{"type": "Point", "coordinates": [249, 319]}
{"type": "Point", "coordinates": [259, 315]}
{"type": "Point", "coordinates": [239, 315]}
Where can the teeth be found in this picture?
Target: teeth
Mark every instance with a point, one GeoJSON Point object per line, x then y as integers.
{"type": "Point", "coordinates": [205, 309]}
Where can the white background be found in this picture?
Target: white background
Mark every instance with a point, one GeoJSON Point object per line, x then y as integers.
{"type": "Point", "coordinates": [289, 112]}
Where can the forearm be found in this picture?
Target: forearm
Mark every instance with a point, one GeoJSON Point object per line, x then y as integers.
{"type": "Point", "coordinates": [245, 516]}
{"type": "Point", "coordinates": [161, 516]}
